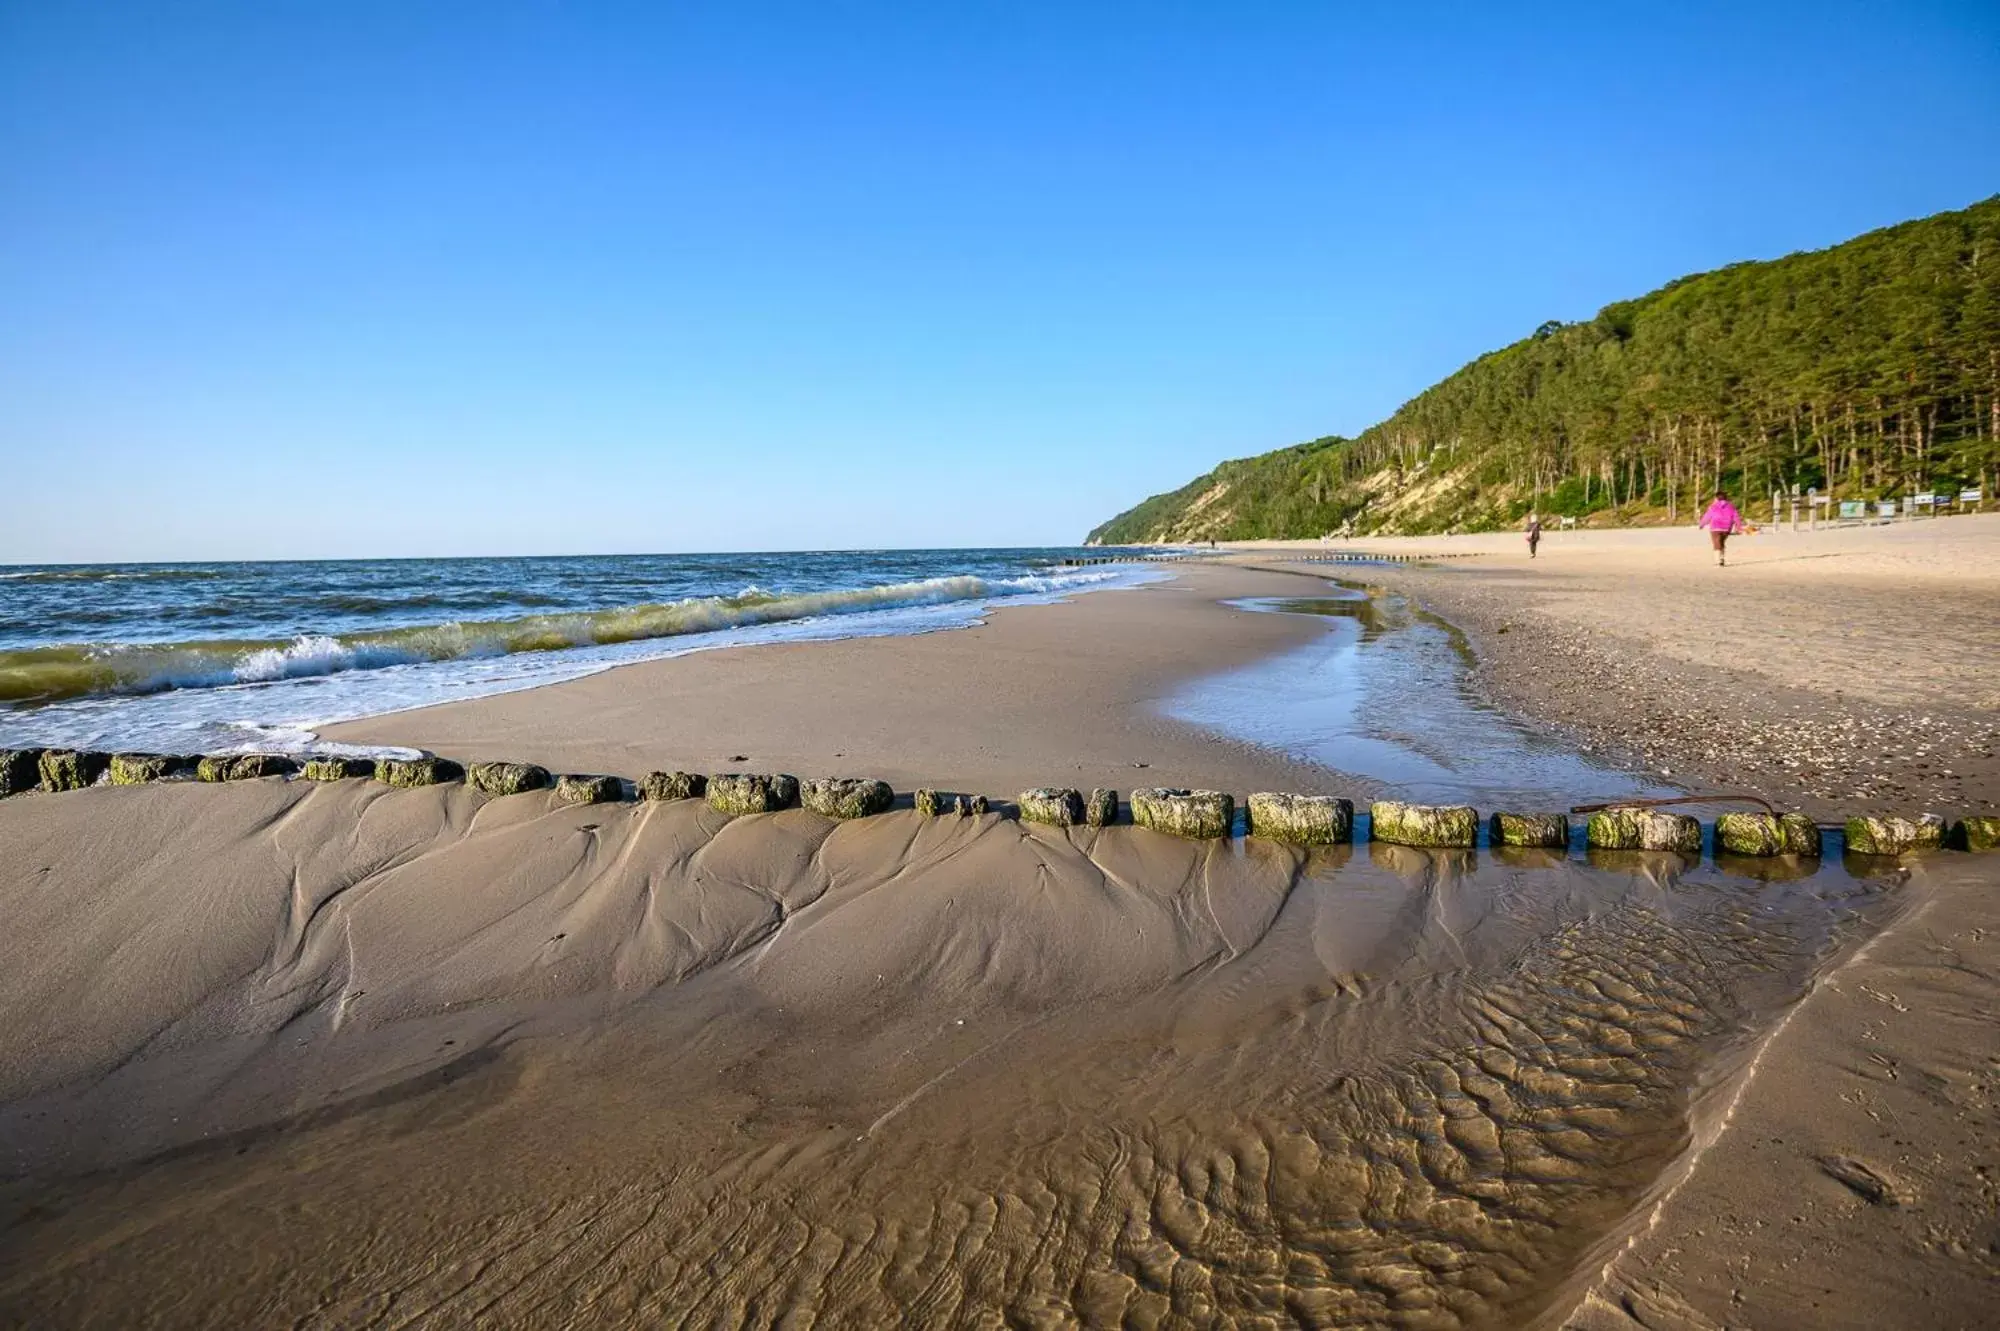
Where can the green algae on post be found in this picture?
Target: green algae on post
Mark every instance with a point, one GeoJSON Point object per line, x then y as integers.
{"type": "Point", "coordinates": [143, 768]}
{"type": "Point", "coordinates": [1643, 829]}
{"type": "Point", "coordinates": [943, 803]}
{"type": "Point", "coordinates": [20, 769]}
{"type": "Point", "coordinates": [328, 767]}
{"type": "Point", "coordinates": [1975, 833]}
{"type": "Point", "coordinates": [1893, 834]}
{"type": "Point", "coordinates": [572, 788]}
{"type": "Point", "coordinates": [72, 769]}
{"type": "Point", "coordinates": [135, 769]}
{"type": "Point", "coordinates": [506, 778]}
{"type": "Point", "coordinates": [1444, 826]}
{"type": "Point", "coordinates": [846, 797]}
{"type": "Point", "coordinates": [1301, 820]}
{"type": "Point", "coordinates": [1100, 807]}
{"type": "Point", "coordinates": [1766, 834]}
{"type": "Point", "coordinates": [244, 766]}
{"type": "Point", "coordinates": [1547, 831]}
{"type": "Point", "coordinates": [1056, 806]}
{"type": "Point", "coordinates": [1200, 814]}
{"type": "Point", "coordinates": [409, 773]}
{"type": "Point", "coordinates": [738, 793]}
{"type": "Point", "coordinates": [673, 786]}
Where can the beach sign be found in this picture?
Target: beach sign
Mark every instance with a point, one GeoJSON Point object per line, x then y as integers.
{"type": "Point", "coordinates": [1886, 509]}
{"type": "Point", "coordinates": [1970, 496]}
{"type": "Point", "coordinates": [1852, 508]}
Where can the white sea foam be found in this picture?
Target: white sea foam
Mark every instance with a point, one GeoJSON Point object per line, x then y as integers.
{"type": "Point", "coordinates": [276, 697]}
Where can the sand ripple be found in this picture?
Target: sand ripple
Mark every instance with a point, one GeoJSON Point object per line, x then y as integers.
{"type": "Point", "coordinates": [382, 1058]}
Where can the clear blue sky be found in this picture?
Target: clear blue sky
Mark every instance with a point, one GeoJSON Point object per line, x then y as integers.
{"type": "Point", "coordinates": [351, 278]}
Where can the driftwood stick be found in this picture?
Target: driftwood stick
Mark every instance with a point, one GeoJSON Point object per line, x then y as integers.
{"type": "Point", "coordinates": [1675, 799]}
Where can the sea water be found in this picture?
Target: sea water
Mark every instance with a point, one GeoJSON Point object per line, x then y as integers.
{"type": "Point", "coordinates": [199, 657]}
{"type": "Point", "coordinates": [1384, 695]}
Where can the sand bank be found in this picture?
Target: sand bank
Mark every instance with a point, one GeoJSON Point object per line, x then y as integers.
{"type": "Point", "coordinates": [346, 1055]}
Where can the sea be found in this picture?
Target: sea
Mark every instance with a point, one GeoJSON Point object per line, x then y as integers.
{"type": "Point", "coordinates": [219, 656]}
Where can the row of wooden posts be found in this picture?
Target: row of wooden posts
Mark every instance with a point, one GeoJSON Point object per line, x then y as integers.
{"type": "Point", "coordinates": [1322, 557]}
{"type": "Point", "coordinates": [1303, 820]}
{"type": "Point", "coordinates": [1367, 557]}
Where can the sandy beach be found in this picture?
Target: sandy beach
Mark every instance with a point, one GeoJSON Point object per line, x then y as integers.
{"type": "Point", "coordinates": [1041, 695]}
{"type": "Point", "coordinates": [1822, 668]}
{"type": "Point", "coordinates": [280, 1052]}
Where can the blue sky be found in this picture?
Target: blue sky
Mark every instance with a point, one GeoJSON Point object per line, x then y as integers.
{"type": "Point", "coordinates": [314, 280]}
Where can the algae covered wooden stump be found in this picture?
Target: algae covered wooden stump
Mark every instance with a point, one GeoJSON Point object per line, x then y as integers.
{"type": "Point", "coordinates": [1200, 814]}
{"type": "Point", "coordinates": [72, 769]}
{"type": "Point", "coordinates": [1765, 834]}
{"type": "Point", "coordinates": [1977, 833]}
{"type": "Point", "coordinates": [244, 766]}
{"type": "Point", "coordinates": [1894, 834]}
{"type": "Point", "coordinates": [740, 793]}
{"type": "Point", "coordinates": [673, 786]}
{"type": "Point", "coordinates": [506, 778]}
{"type": "Point", "coordinates": [1301, 820]}
{"type": "Point", "coordinates": [1100, 807]}
{"type": "Point", "coordinates": [846, 797]}
{"type": "Point", "coordinates": [20, 770]}
{"type": "Point", "coordinates": [1545, 831]}
{"type": "Point", "coordinates": [332, 768]}
{"type": "Point", "coordinates": [410, 773]}
{"type": "Point", "coordinates": [583, 788]}
{"type": "Point", "coordinates": [1452, 826]}
{"type": "Point", "coordinates": [138, 769]}
{"type": "Point", "coordinates": [1643, 829]}
{"type": "Point", "coordinates": [1053, 806]}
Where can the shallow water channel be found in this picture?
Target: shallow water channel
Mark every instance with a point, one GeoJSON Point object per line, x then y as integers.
{"type": "Point", "coordinates": [1382, 696]}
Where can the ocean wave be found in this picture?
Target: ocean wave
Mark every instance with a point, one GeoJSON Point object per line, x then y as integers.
{"type": "Point", "coordinates": [53, 674]}
{"type": "Point", "coordinates": [110, 575]}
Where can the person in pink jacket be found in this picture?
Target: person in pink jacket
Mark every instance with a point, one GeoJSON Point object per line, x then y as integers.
{"type": "Point", "coordinates": [1721, 521]}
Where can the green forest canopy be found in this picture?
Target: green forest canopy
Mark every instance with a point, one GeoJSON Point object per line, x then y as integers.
{"type": "Point", "coordinates": [1868, 370]}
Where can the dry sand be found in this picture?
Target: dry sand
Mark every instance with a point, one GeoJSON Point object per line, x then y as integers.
{"type": "Point", "coordinates": [284, 1054]}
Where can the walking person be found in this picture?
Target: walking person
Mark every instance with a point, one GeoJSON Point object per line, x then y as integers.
{"type": "Point", "coordinates": [1722, 521]}
{"type": "Point", "coordinates": [1534, 533]}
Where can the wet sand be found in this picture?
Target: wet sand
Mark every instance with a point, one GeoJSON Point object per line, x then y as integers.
{"type": "Point", "coordinates": [1040, 695]}
{"type": "Point", "coordinates": [278, 1053]}
{"type": "Point", "coordinates": [1851, 1183]}
{"type": "Point", "coordinates": [366, 1056]}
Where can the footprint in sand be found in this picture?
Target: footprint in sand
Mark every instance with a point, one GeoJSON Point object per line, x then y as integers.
{"type": "Point", "coordinates": [1877, 1186]}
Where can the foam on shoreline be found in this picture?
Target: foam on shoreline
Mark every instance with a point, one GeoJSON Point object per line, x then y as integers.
{"type": "Point", "coordinates": [224, 693]}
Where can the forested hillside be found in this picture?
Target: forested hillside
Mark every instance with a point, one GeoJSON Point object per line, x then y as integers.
{"type": "Point", "coordinates": [1870, 370]}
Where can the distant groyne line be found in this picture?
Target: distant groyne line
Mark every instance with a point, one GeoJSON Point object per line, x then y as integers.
{"type": "Point", "coordinates": [1314, 557]}
{"type": "Point", "coordinates": [1292, 818]}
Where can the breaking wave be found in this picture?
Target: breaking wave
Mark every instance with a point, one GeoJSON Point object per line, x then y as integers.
{"type": "Point", "coordinates": [52, 674]}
